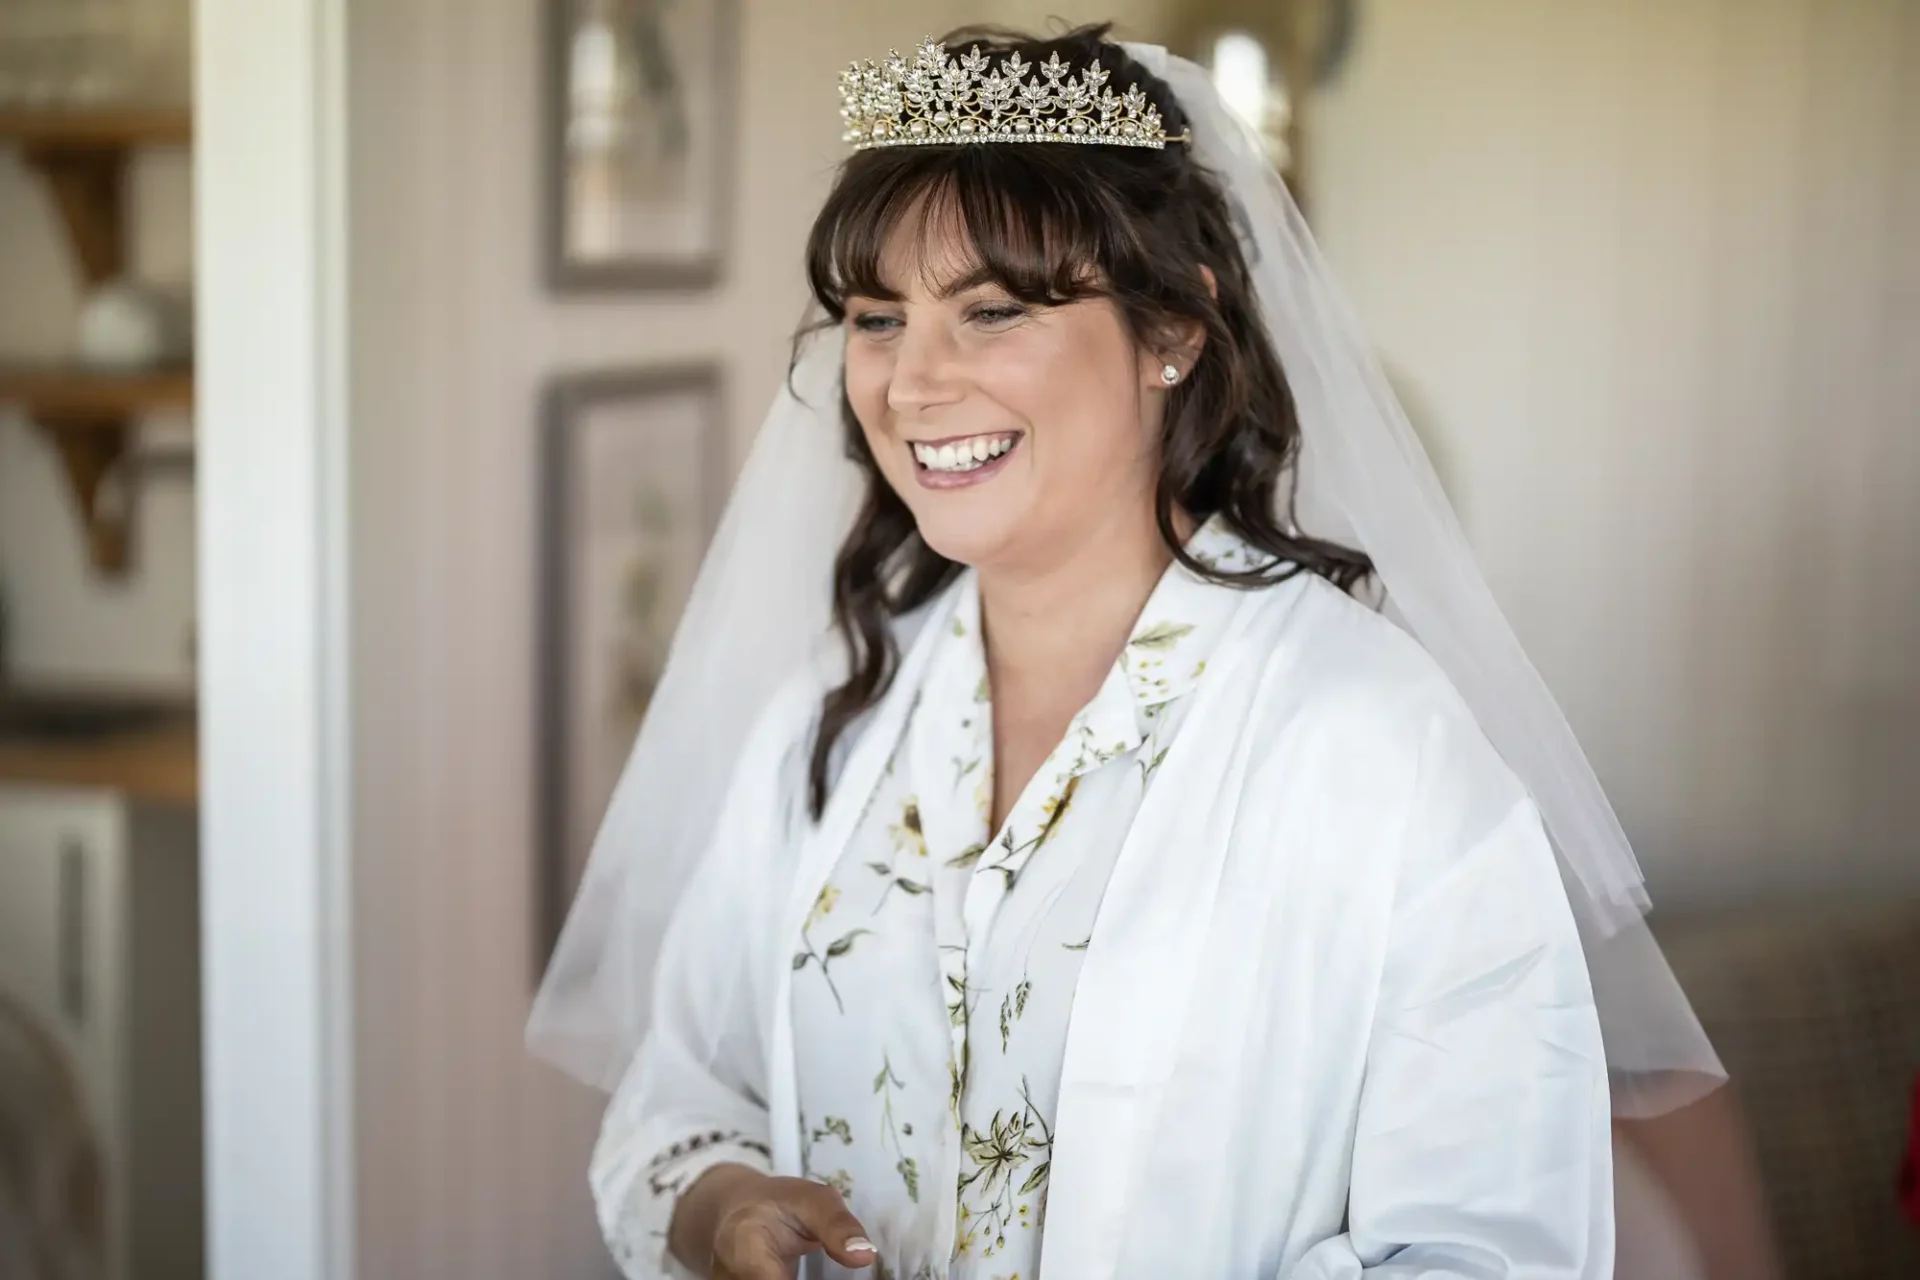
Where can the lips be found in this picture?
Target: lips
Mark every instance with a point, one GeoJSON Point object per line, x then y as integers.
{"type": "Point", "coordinates": [959, 462]}
{"type": "Point", "coordinates": [963, 453]}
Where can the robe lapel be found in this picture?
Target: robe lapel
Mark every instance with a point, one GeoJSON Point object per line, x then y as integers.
{"type": "Point", "coordinates": [818, 854]}
{"type": "Point", "coordinates": [1136, 983]}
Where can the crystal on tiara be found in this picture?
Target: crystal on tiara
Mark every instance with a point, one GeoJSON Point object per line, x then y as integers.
{"type": "Point", "coordinates": [942, 100]}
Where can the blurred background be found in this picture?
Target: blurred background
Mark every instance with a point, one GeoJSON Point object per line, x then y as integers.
{"type": "Point", "coordinates": [320, 650]}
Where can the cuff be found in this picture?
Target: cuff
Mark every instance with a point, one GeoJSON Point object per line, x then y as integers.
{"type": "Point", "coordinates": [639, 1236]}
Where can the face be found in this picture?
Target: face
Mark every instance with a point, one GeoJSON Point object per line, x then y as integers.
{"type": "Point", "coordinates": [1015, 434]}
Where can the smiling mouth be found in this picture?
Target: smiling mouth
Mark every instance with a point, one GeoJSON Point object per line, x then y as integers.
{"type": "Point", "coordinates": [963, 454]}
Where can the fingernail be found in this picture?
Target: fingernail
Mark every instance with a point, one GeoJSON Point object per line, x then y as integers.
{"type": "Point", "coordinates": [859, 1244]}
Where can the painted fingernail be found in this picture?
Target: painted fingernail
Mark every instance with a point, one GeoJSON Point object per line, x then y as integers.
{"type": "Point", "coordinates": [859, 1244]}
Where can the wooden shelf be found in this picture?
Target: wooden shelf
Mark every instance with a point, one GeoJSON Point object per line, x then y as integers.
{"type": "Point", "coordinates": [82, 155]}
{"type": "Point", "coordinates": [54, 395]}
{"type": "Point", "coordinates": [142, 744]}
{"type": "Point", "coordinates": [91, 129]}
{"type": "Point", "coordinates": [161, 765]}
{"type": "Point", "coordinates": [88, 413]}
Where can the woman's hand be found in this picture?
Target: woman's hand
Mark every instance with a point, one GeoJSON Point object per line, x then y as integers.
{"type": "Point", "coordinates": [737, 1223]}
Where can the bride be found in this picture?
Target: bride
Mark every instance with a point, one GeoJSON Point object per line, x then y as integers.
{"type": "Point", "coordinates": [1166, 863]}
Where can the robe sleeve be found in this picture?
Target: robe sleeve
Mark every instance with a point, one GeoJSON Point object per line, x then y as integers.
{"type": "Point", "coordinates": [695, 1094]}
{"type": "Point", "coordinates": [1483, 1144]}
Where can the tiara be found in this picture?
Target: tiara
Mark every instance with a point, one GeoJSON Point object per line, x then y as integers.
{"type": "Point", "coordinates": [941, 100]}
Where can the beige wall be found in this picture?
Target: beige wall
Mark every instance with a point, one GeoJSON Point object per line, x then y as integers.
{"type": "Point", "coordinates": [1650, 273]}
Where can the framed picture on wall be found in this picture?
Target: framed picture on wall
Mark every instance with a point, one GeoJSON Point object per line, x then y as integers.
{"type": "Point", "coordinates": [640, 117]}
{"type": "Point", "coordinates": [634, 476]}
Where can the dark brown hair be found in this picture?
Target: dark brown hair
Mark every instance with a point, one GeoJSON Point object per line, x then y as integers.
{"type": "Point", "coordinates": [1053, 223]}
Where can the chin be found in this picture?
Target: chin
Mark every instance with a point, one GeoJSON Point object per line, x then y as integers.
{"type": "Point", "coordinates": [971, 539]}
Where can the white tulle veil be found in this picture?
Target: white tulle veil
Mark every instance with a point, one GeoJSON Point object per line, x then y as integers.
{"type": "Point", "coordinates": [760, 608]}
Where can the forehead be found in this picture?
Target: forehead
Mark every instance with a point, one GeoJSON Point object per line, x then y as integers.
{"type": "Point", "coordinates": [928, 250]}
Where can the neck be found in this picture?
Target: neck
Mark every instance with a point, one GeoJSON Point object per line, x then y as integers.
{"type": "Point", "coordinates": [1053, 628]}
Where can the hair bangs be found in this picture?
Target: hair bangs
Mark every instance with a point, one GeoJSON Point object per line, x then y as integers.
{"type": "Point", "coordinates": [954, 218]}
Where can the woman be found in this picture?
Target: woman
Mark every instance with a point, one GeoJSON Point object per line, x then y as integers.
{"type": "Point", "coordinates": [1116, 895]}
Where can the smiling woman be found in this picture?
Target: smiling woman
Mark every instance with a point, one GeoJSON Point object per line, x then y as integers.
{"type": "Point", "coordinates": [1042, 313]}
{"type": "Point", "coordinates": [1115, 895]}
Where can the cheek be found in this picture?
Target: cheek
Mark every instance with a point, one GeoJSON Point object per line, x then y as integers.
{"type": "Point", "coordinates": [866, 377]}
{"type": "Point", "coordinates": [1081, 396]}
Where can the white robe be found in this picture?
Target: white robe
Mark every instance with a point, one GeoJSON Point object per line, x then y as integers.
{"type": "Point", "coordinates": [1332, 1020]}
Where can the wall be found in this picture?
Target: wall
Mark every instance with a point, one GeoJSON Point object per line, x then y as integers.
{"type": "Point", "coordinates": [64, 622]}
{"type": "Point", "coordinates": [1649, 272]}
{"type": "Point", "coordinates": [472, 1158]}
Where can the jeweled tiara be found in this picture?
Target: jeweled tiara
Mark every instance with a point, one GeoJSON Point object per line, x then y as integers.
{"type": "Point", "coordinates": [940, 100]}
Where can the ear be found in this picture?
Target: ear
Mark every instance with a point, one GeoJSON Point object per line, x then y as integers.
{"type": "Point", "coordinates": [1180, 347]}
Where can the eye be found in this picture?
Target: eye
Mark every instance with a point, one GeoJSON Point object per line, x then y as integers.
{"type": "Point", "coordinates": [875, 322]}
{"type": "Point", "coordinates": [995, 314]}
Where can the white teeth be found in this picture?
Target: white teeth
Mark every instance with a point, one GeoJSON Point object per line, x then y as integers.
{"type": "Point", "coordinates": [963, 455]}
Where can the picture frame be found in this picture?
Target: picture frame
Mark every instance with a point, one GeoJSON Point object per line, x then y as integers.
{"type": "Point", "coordinates": [633, 478]}
{"type": "Point", "coordinates": [639, 115]}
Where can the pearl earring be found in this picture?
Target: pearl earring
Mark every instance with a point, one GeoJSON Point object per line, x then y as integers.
{"type": "Point", "coordinates": [1169, 374]}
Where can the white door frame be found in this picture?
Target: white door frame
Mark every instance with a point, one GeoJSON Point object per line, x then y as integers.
{"type": "Point", "coordinates": [271, 264]}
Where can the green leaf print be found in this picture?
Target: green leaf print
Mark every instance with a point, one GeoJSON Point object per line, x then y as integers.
{"type": "Point", "coordinates": [957, 999]}
{"type": "Point", "coordinates": [843, 944]}
{"type": "Point", "coordinates": [1160, 637]}
{"type": "Point", "coordinates": [967, 856]}
{"type": "Point", "coordinates": [880, 868]}
{"type": "Point", "coordinates": [839, 947]}
{"type": "Point", "coordinates": [1035, 1180]}
{"type": "Point", "coordinates": [1149, 767]}
{"type": "Point", "coordinates": [908, 886]}
{"type": "Point", "coordinates": [1011, 1008]}
{"type": "Point", "coordinates": [884, 1084]}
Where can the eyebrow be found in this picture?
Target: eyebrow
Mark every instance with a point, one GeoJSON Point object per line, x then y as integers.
{"type": "Point", "coordinates": [972, 280]}
{"type": "Point", "coordinates": [980, 275]}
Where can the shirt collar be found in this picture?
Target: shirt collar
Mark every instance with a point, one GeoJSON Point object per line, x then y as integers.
{"type": "Point", "coordinates": [1164, 657]}
{"type": "Point", "coordinates": [1184, 619]}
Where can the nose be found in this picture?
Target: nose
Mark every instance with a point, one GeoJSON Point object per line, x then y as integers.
{"type": "Point", "coordinates": [923, 369]}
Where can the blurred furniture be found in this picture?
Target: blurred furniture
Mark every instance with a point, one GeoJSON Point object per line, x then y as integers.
{"type": "Point", "coordinates": [82, 155]}
{"type": "Point", "coordinates": [1816, 1013]}
{"type": "Point", "coordinates": [99, 909]}
{"type": "Point", "coordinates": [145, 749]}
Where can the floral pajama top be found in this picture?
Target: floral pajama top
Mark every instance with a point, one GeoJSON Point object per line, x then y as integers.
{"type": "Point", "coordinates": [936, 972]}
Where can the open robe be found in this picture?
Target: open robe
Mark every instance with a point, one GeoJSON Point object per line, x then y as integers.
{"type": "Point", "coordinates": [1333, 1019]}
